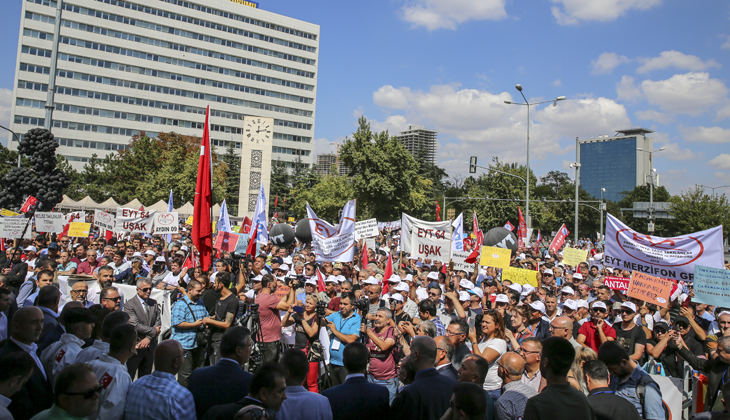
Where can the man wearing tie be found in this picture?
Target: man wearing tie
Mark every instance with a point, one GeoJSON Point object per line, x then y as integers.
{"type": "Point", "coordinates": [144, 314]}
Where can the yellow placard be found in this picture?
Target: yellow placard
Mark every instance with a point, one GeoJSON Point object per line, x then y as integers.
{"type": "Point", "coordinates": [493, 256]}
{"type": "Point", "coordinates": [291, 219]}
{"type": "Point", "coordinates": [189, 221]}
{"type": "Point", "coordinates": [8, 213]}
{"type": "Point", "coordinates": [214, 225]}
{"type": "Point", "coordinates": [79, 230]}
{"type": "Point", "coordinates": [520, 275]}
{"type": "Point", "coordinates": [236, 228]}
{"type": "Point", "coordinates": [573, 257]}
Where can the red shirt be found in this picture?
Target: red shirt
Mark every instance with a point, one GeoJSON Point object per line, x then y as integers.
{"type": "Point", "coordinates": [382, 363]}
{"type": "Point", "coordinates": [589, 330]}
{"type": "Point", "coordinates": [269, 315]}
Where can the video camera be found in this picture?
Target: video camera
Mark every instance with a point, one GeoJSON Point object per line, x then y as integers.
{"type": "Point", "coordinates": [321, 308]}
{"type": "Point", "coordinates": [362, 305]}
{"type": "Point", "coordinates": [296, 281]}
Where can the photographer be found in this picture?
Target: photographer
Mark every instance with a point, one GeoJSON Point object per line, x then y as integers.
{"type": "Point", "coordinates": [188, 316]}
{"type": "Point", "coordinates": [269, 307]}
{"type": "Point", "coordinates": [306, 338]}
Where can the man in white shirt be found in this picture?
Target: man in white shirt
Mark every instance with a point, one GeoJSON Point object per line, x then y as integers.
{"type": "Point", "coordinates": [101, 347]}
{"type": "Point", "coordinates": [172, 280]}
{"type": "Point", "coordinates": [111, 370]}
{"type": "Point", "coordinates": [79, 323]}
{"type": "Point", "coordinates": [118, 264]}
{"type": "Point", "coordinates": [104, 278]}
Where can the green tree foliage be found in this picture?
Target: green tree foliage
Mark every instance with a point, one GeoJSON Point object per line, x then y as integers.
{"type": "Point", "coordinates": [279, 183]}
{"type": "Point", "coordinates": [327, 198]}
{"type": "Point", "coordinates": [695, 211]}
{"type": "Point", "coordinates": [663, 227]}
{"type": "Point", "coordinates": [232, 159]}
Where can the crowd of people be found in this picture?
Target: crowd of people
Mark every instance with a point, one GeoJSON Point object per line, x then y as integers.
{"type": "Point", "coordinates": [284, 335]}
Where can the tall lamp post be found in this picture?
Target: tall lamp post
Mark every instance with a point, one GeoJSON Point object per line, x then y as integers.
{"type": "Point", "coordinates": [17, 138]}
{"type": "Point", "coordinates": [528, 104]}
{"type": "Point", "coordinates": [576, 165]}
{"type": "Point", "coordinates": [602, 207]}
{"type": "Point", "coordinates": [714, 188]}
{"type": "Point", "coordinates": [652, 174]}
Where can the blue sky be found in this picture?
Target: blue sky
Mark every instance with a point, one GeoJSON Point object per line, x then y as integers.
{"type": "Point", "coordinates": [449, 65]}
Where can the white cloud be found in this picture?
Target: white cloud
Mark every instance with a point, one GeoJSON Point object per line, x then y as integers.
{"type": "Point", "coordinates": [726, 44]}
{"type": "Point", "coordinates": [675, 59]}
{"type": "Point", "coordinates": [627, 90]}
{"type": "Point", "coordinates": [573, 12]}
{"type": "Point", "coordinates": [585, 118]}
{"type": "Point", "coordinates": [437, 14]}
{"type": "Point", "coordinates": [690, 93]}
{"type": "Point", "coordinates": [723, 113]}
{"type": "Point", "coordinates": [652, 115]}
{"type": "Point", "coordinates": [325, 146]}
{"type": "Point", "coordinates": [606, 62]}
{"type": "Point", "coordinates": [394, 124]}
{"type": "Point", "coordinates": [557, 83]}
{"type": "Point", "coordinates": [721, 162]}
{"type": "Point", "coordinates": [714, 135]}
{"type": "Point", "coordinates": [673, 151]}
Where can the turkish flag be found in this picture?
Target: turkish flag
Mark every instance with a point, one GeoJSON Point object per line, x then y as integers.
{"type": "Point", "coordinates": [388, 273]}
{"type": "Point", "coordinates": [320, 281]}
{"type": "Point", "coordinates": [364, 254]}
{"type": "Point", "coordinates": [202, 231]}
{"type": "Point", "coordinates": [29, 204]}
{"type": "Point", "coordinates": [247, 222]}
{"type": "Point", "coordinates": [251, 249]}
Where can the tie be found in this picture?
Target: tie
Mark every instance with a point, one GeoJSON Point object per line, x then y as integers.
{"type": "Point", "coordinates": [147, 311]}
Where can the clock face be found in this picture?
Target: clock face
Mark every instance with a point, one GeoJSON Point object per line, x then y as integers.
{"type": "Point", "coordinates": [257, 130]}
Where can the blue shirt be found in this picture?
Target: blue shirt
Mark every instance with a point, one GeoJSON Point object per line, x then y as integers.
{"type": "Point", "coordinates": [347, 326]}
{"type": "Point", "coordinates": [304, 405]}
{"type": "Point", "coordinates": [653, 408]}
{"type": "Point", "coordinates": [180, 313]}
{"type": "Point", "coordinates": [159, 396]}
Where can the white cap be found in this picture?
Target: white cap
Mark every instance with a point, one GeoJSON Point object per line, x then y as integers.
{"type": "Point", "coordinates": [394, 279]}
{"type": "Point", "coordinates": [251, 294]}
{"type": "Point", "coordinates": [331, 279]}
{"type": "Point", "coordinates": [527, 288]}
{"type": "Point", "coordinates": [160, 259]}
{"type": "Point", "coordinates": [283, 267]}
{"type": "Point", "coordinates": [501, 298]}
{"type": "Point", "coordinates": [287, 260]}
{"type": "Point", "coordinates": [463, 296]}
{"type": "Point", "coordinates": [582, 303]}
{"type": "Point", "coordinates": [479, 292]}
{"type": "Point", "coordinates": [257, 278]}
{"type": "Point", "coordinates": [547, 271]}
{"type": "Point", "coordinates": [570, 303]}
{"type": "Point", "coordinates": [599, 304]}
{"type": "Point", "coordinates": [311, 281]}
{"type": "Point", "coordinates": [150, 252]}
{"type": "Point", "coordinates": [396, 296]}
{"type": "Point", "coordinates": [340, 278]}
{"type": "Point", "coordinates": [516, 287]}
{"type": "Point", "coordinates": [567, 289]}
{"type": "Point", "coordinates": [30, 248]}
{"type": "Point", "coordinates": [629, 305]}
{"type": "Point", "coordinates": [578, 276]}
{"type": "Point", "coordinates": [402, 287]}
{"type": "Point", "coordinates": [409, 277]}
{"type": "Point", "coordinates": [184, 248]}
{"type": "Point", "coordinates": [538, 306]}
{"type": "Point", "coordinates": [466, 284]}
{"type": "Point", "coordinates": [369, 280]}
{"type": "Point", "coordinates": [433, 275]}
{"type": "Point", "coordinates": [137, 254]}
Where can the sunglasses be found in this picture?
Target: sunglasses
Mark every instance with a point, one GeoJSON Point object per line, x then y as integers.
{"type": "Point", "coordinates": [682, 325]}
{"type": "Point", "coordinates": [627, 311]}
{"type": "Point", "coordinates": [116, 299]}
{"type": "Point", "coordinates": [601, 310]}
{"type": "Point", "coordinates": [88, 394]}
{"type": "Point", "coordinates": [146, 289]}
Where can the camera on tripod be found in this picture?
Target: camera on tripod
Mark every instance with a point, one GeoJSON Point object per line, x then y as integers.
{"type": "Point", "coordinates": [297, 281]}
{"type": "Point", "coordinates": [320, 308]}
{"type": "Point", "coordinates": [362, 305]}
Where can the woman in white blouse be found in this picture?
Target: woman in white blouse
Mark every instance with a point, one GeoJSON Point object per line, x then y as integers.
{"type": "Point", "coordinates": [491, 347]}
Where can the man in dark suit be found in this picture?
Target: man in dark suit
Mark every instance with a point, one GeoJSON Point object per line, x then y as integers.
{"type": "Point", "coordinates": [444, 354]}
{"type": "Point", "coordinates": [15, 269]}
{"type": "Point", "coordinates": [205, 383]}
{"type": "Point", "coordinates": [429, 396]}
{"type": "Point", "coordinates": [47, 301]}
{"type": "Point", "coordinates": [267, 391]}
{"type": "Point", "coordinates": [55, 334]}
{"type": "Point", "coordinates": [144, 314]}
{"type": "Point", "coordinates": [358, 399]}
{"type": "Point", "coordinates": [36, 395]}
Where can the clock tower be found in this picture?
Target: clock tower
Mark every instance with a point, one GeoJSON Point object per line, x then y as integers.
{"type": "Point", "coordinates": [258, 135]}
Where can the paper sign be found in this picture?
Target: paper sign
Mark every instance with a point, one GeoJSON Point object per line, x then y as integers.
{"type": "Point", "coordinates": [104, 220]}
{"type": "Point", "coordinates": [49, 222]}
{"type": "Point", "coordinates": [79, 230]}
{"type": "Point", "coordinates": [8, 213]}
{"type": "Point", "coordinates": [236, 229]}
{"type": "Point", "coordinates": [366, 229]}
{"type": "Point", "coordinates": [370, 242]}
{"type": "Point", "coordinates": [134, 221]}
{"type": "Point", "coordinates": [281, 291]}
{"type": "Point", "coordinates": [427, 240]}
{"type": "Point", "coordinates": [226, 241]}
{"type": "Point", "coordinates": [12, 228]}
{"type": "Point", "coordinates": [291, 219]}
{"type": "Point", "coordinates": [189, 221]}
{"type": "Point", "coordinates": [166, 222]}
{"type": "Point", "coordinates": [617, 283]}
{"type": "Point", "coordinates": [711, 285]}
{"type": "Point", "coordinates": [650, 289]}
{"type": "Point", "coordinates": [76, 216]}
{"type": "Point", "coordinates": [242, 244]}
{"type": "Point", "coordinates": [573, 257]}
{"type": "Point", "coordinates": [493, 256]}
{"type": "Point", "coordinates": [459, 261]}
{"type": "Point", "coordinates": [520, 275]}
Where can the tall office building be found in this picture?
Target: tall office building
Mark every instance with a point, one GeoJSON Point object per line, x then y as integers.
{"type": "Point", "coordinates": [325, 164]}
{"type": "Point", "coordinates": [416, 138]}
{"type": "Point", "coordinates": [132, 66]}
{"type": "Point", "coordinates": [614, 163]}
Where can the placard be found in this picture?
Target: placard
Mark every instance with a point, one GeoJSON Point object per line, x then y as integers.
{"type": "Point", "coordinates": [134, 221]}
{"type": "Point", "coordinates": [366, 229]}
{"type": "Point", "coordinates": [427, 240]}
{"type": "Point", "coordinates": [459, 261]}
{"type": "Point", "coordinates": [617, 283]}
{"type": "Point", "coordinates": [282, 291]}
{"type": "Point", "coordinates": [650, 289]}
{"type": "Point", "coordinates": [493, 256]}
{"type": "Point", "coordinates": [79, 230]}
{"type": "Point", "coordinates": [226, 241]}
{"type": "Point", "coordinates": [49, 222]}
{"type": "Point", "coordinates": [370, 243]}
{"type": "Point", "coordinates": [189, 221]}
{"type": "Point", "coordinates": [291, 219]}
{"type": "Point", "coordinates": [520, 275]}
{"type": "Point", "coordinates": [76, 216]}
{"type": "Point", "coordinates": [242, 244]}
{"type": "Point", "coordinates": [8, 213]}
{"type": "Point", "coordinates": [12, 228]}
{"type": "Point", "coordinates": [711, 285]}
{"type": "Point", "coordinates": [104, 220]}
{"type": "Point", "coordinates": [573, 257]}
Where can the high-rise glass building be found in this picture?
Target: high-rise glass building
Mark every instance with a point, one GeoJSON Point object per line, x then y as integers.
{"type": "Point", "coordinates": [131, 66]}
{"type": "Point", "coordinates": [614, 163]}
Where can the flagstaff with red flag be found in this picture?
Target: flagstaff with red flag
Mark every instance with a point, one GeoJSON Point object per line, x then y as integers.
{"type": "Point", "coordinates": [202, 231]}
{"type": "Point", "coordinates": [320, 282]}
{"type": "Point", "coordinates": [438, 211]}
{"type": "Point", "coordinates": [387, 275]}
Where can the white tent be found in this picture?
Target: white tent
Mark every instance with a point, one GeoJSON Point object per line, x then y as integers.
{"type": "Point", "coordinates": [134, 204]}
{"type": "Point", "coordinates": [109, 204]}
{"type": "Point", "coordinates": [160, 206]}
{"type": "Point", "coordinates": [87, 203]}
{"type": "Point", "coordinates": [66, 203]}
{"type": "Point", "coordinates": [186, 209]}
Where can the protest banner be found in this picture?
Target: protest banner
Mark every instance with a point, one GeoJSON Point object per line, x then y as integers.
{"type": "Point", "coordinates": [226, 241]}
{"type": "Point", "coordinates": [334, 243]}
{"type": "Point", "coordinates": [291, 219]}
{"type": "Point", "coordinates": [427, 240]}
{"type": "Point", "coordinates": [617, 283]}
{"type": "Point", "coordinates": [49, 222]}
{"type": "Point", "coordinates": [366, 229]}
{"type": "Point", "coordinates": [573, 257]}
{"type": "Point", "coordinates": [389, 225]}
{"type": "Point", "coordinates": [12, 228]}
{"type": "Point", "coordinates": [104, 220]}
{"type": "Point", "coordinates": [370, 243]}
{"type": "Point", "coordinates": [458, 258]}
{"type": "Point", "coordinates": [242, 243]}
{"type": "Point", "coordinates": [134, 221]}
{"type": "Point", "coordinates": [493, 256]}
{"type": "Point", "coordinates": [509, 226]}
{"type": "Point", "coordinates": [281, 291]}
{"type": "Point", "coordinates": [166, 222]}
{"type": "Point", "coordinates": [75, 216]}
{"type": "Point", "coordinates": [8, 213]}
{"type": "Point", "coordinates": [520, 275]}
{"type": "Point", "coordinates": [672, 258]}
{"type": "Point", "coordinates": [79, 230]}
{"type": "Point", "coordinates": [711, 285]}
{"type": "Point", "coordinates": [650, 289]}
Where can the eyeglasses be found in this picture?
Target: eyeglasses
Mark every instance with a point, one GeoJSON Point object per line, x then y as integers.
{"type": "Point", "coordinates": [146, 289]}
{"type": "Point", "coordinates": [83, 292]}
{"type": "Point", "coordinates": [433, 294]}
{"type": "Point", "coordinates": [553, 327]}
{"type": "Point", "coordinates": [116, 299]}
{"type": "Point", "coordinates": [88, 394]}
{"type": "Point", "coordinates": [523, 351]}
{"type": "Point", "coordinates": [451, 333]}
{"type": "Point", "coordinates": [627, 311]}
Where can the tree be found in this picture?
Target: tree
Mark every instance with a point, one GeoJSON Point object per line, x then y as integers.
{"type": "Point", "coordinates": [695, 211]}
{"type": "Point", "coordinates": [279, 183]}
{"type": "Point", "coordinates": [75, 188]}
{"type": "Point", "coordinates": [233, 178]}
{"type": "Point", "coordinates": [327, 197]}
{"type": "Point", "coordinates": [551, 183]}
{"type": "Point", "coordinates": [641, 193]}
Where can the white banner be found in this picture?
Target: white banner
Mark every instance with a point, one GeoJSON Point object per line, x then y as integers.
{"type": "Point", "coordinates": [167, 222]}
{"type": "Point", "coordinates": [458, 258]}
{"type": "Point", "coordinates": [49, 222]}
{"type": "Point", "coordinates": [104, 220]}
{"type": "Point", "coordinates": [12, 228]}
{"type": "Point", "coordinates": [366, 229]}
{"type": "Point", "coordinates": [427, 240]}
{"type": "Point", "coordinates": [673, 258]}
{"type": "Point", "coordinates": [457, 239]}
{"type": "Point", "coordinates": [389, 225]}
{"type": "Point", "coordinates": [334, 243]}
{"type": "Point", "coordinates": [76, 216]}
{"type": "Point", "coordinates": [134, 221]}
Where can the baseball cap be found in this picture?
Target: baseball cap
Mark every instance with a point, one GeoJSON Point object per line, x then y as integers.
{"type": "Point", "coordinates": [528, 288]}
{"type": "Point", "coordinates": [257, 278]}
{"type": "Point", "coordinates": [160, 259]}
{"type": "Point", "coordinates": [283, 267]}
{"type": "Point", "coordinates": [402, 287]}
{"type": "Point", "coordinates": [251, 294]}
{"type": "Point", "coordinates": [599, 304]}
{"type": "Point", "coordinates": [53, 245]}
{"type": "Point", "coordinates": [149, 252]}
{"type": "Point", "coordinates": [433, 275]}
{"type": "Point", "coordinates": [466, 284]}
{"type": "Point", "coordinates": [409, 277]}
{"type": "Point", "coordinates": [662, 324]}
{"type": "Point", "coordinates": [501, 298]}
{"type": "Point", "coordinates": [616, 305]}
{"type": "Point", "coordinates": [369, 280]}
{"type": "Point", "coordinates": [30, 248]}
{"type": "Point", "coordinates": [567, 289]}
{"type": "Point", "coordinates": [516, 287]}
{"type": "Point", "coordinates": [547, 271]}
{"type": "Point", "coordinates": [477, 291]}
{"type": "Point", "coordinates": [311, 281]}
{"type": "Point", "coordinates": [463, 296]}
{"type": "Point", "coordinates": [137, 254]}
{"type": "Point", "coordinates": [394, 279]}
{"type": "Point", "coordinates": [340, 278]}
{"type": "Point", "coordinates": [578, 276]}
{"type": "Point", "coordinates": [277, 260]}
{"type": "Point", "coordinates": [333, 279]}
{"type": "Point", "coordinates": [396, 296]}
{"type": "Point", "coordinates": [629, 305]}
{"type": "Point", "coordinates": [582, 303]}
{"type": "Point", "coordinates": [570, 303]}
{"type": "Point", "coordinates": [538, 306]}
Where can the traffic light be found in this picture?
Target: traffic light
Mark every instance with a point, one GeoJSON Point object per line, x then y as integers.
{"type": "Point", "coordinates": [473, 165]}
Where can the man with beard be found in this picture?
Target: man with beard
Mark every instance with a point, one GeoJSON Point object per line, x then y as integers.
{"type": "Point", "coordinates": [104, 278]}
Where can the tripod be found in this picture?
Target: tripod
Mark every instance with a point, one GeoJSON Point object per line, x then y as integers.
{"type": "Point", "coordinates": [252, 321]}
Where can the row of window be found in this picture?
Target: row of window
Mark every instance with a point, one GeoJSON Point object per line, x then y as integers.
{"type": "Point", "coordinates": [40, 18]}
{"type": "Point", "coordinates": [192, 35]}
{"type": "Point", "coordinates": [288, 151]}
{"type": "Point", "coordinates": [225, 143]}
{"type": "Point", "coordinates": [19, 119]}
{"type": "Point", "coordinates": [32, 68]}
{"type": "Point", "coordinates": [22, 84]}
{"type": "Point", "coordinates": [183, 18]}
{"type": "Point", "coordinates": [77, 159]}
{"type": "Point", "coordinates": [289, 137]}
{"type": "Point", "coordinates": [30, 103]}
{"type": "Point", "coordinates": [35, 34]}
{"type": "Point", "coordinates": [35, 51]}
{"type": "Point", "coordinates": [51, 3]}
{"type": "Point", "coordinates": [91, 144]}
{"type": "Point", "coordinates": [293, 164]}
{"type": "Point", "coordinates": [99, 128]}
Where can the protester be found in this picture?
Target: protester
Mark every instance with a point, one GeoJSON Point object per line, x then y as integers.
{"type": "Point", "coordinates": [78, 323]}
{"type": "Point", "coordinates": [381, 343]}
{"type": "Point", "coordinates": [144, 314]}
{"type": "Point", "coordinates": [344, 327]}
{"type": "Point", "coordinates": [511, 404]}
{"type": "Point", "coordinates": [474, 369]}
{"type": "Point", "coordinates": [458, 332]}
{"type": "Point", "coordinates": [101, 347]}
{"type": "Point", "coordinates": [491, 347]}
{"type": "Point", "coordinates": [595, 332]}
{"type": "Point", "coordinates": [301, 404]}
{"type": "Point", "coordinates": [717, 369]}
{"type": "Point", "coordinates": [269, 307]}
{"type": "Point", "coordinates": [223, 315]}
{"type": "Point", "coordinates": [16, 370]}
{"type": "Point", "coordinates": [563, 327]}
{"type": "Point", "coordinates": [606, 404]}
{"type": "Point", "coordinates": [306, 339]}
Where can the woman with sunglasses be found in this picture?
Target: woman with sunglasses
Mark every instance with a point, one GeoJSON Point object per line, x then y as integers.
{"type": "Point", "coordinates": [492, 346]}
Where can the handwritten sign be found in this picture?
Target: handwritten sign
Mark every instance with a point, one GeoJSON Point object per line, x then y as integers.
{"type": "Point", "coordinates": [291, 219]}
{"type": "Point", "coordinates": [134, 221]}
{"type": "Point", "coordinates": [8, 213]}
{"type": "Point", "coordinates": [493, 256]}
{"type": "Point", "coordinates": [12, 228]}
{"type": "Point", "coordinates": [459, 259]}
{"type": "Point", "coordinates": [242, 244]}
{"type": "Point", "coordinates": [281, 291]}
{"type": "Point", "coordinates": [76, 216]}
{"type": "Point", "coordinates": [49, 222]}
{"type": "Point", "coordinates": [366, 229]}
{"type": "Point", "coordinates": [711, 285]}
{"type": "Point", "coordinates": [226, 241]}
{"type": "Point", "coordinates": [104, 220]}
{"type": "Point", "coordinates": [573, 257]}
{"type": "Point", "coordinates": [617, 283]}
{"type": "Point", "coordinates": [79, 230]}
{"type": "Point", "coordinates": [166, 222]}
{"type": "Point", "coordinates": [650, 289]}
{"type": "Point", "coordinates": [370, 243]}
{"type": "Point", "coordinates": [520, 275]}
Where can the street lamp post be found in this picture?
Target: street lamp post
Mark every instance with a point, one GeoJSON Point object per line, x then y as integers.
{"type": "Point", "coordinates": [16, 139]}
{"type": "Point", "coordinates": [528, 104]}
{"type": "Point", "coordinates": [714, 188]}
{"type": "Point", "coordinates": [601, 207]}
{"type": "Point", "coordinates": [576, 165]}
{"type": "Point", "coordinates": [652, 174]}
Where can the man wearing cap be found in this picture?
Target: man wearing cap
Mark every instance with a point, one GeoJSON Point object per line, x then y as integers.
{"type": "Point", "coordinates": [570, 310]}
{"type": "Point", "coordinates": [330, 293]}
{"type": "Point", "coordinates": [310, 287]}
{"type": "Point", "coordinates": [410, 307]}
{"type": "Point", "coordinates": [595, 332]}
{"type": "Point", "coordinates": [537, 325]}
{"type": "Point", "coordinates": [31, 255]}
{"type": "Point", "coordinates": [148, 259]}
{"type": "Point", "coordinates": [79, 324]}
{"type": "Point", "coordinates": [629, 335]}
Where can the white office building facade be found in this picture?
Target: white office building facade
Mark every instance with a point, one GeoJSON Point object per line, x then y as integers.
{"type": "Point", "coordinates": [131, 66]}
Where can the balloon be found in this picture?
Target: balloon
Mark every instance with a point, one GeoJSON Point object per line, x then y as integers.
{"type": "Point", "coordinates": [282, 235]}
{"type": "Point", "coordinates": [302, 231]}
{"type": "Point", "coordinates": [502, 238]}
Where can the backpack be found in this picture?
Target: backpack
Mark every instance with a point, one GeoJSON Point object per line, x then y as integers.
{"type": "Point", "coordinates": [641, 392]}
